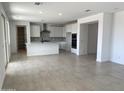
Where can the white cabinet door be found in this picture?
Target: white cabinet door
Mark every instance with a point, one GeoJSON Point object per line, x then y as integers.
{"type": "Point", "coordinates": [35, 31]}
{"type": "Point", "coordinates": [74, 28]}
{"type": "Point", "coordinates": [51, 29]}
{"type": "Point", "coordinates": [62, 45]}
{"type": "Point", "coordinates": [55, 31]}
{"type": "Point", "coordinates": [64, 31]}
{"type": "Point", "coordinates": [66, 28]}
{"type": "Point", "coordinates": [68, 41]}
{"type": "Point", "coordinates": [69, 28]}
{"type": "Point", "coordinates": [59, 31]}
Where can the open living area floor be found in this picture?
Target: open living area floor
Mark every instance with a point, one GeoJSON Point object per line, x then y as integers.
{"type": "Point", "coordinates": [64, 71]}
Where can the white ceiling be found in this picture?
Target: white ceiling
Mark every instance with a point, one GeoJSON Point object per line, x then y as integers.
{"type": "Point", "coordinates": [70, 10]}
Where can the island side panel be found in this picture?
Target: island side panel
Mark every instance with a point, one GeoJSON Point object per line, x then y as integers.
{"type": "Point", "coordinates": [35, 49]}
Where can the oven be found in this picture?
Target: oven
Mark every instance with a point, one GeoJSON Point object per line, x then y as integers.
{"type": "Point", "coordinates": [74, 41]}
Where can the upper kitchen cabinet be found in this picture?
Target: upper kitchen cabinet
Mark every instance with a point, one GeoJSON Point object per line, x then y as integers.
{"type": "Point", "coordinates": [68, 28]}
{"type": "Point", "coordinates": [74, 28]}
{"type": "Point", "coordinates": [51, 29]}
{"type": "Point", "coordinates": [71, 28]}
{"type": "Point", "coordinates": [56, 31]}
{"type": "Point", "coordinates": [64, 32]}
{"type": "Point", "coordinates": [35, 30]}
{"type": "Point", "coordinates": [59, 32]}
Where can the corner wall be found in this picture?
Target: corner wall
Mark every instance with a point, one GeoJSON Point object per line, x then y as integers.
{"type": "Point", "coordinates": [83, 39]}
{"type": "Point", "coordinates": [117, 46]}
{"type": "Point", "coordinates": [107, 30]}
{"type": "Point", "coordinates": [13, 33]}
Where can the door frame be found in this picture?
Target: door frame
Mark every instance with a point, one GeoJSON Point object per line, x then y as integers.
{"type": "Point", "coordinates": [4, 41]}
{"type": "Point", "coordinates": [104, 34]}
{"type": "Point", "coordinates": [17, 34]}
{"type": "Point", "coordinates": [7, 39]}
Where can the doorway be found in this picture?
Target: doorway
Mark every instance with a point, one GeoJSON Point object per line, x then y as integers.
{"type": "Point", "coordinates": [21, 39]}
{"type": "Point", "coordinates": [89, 36]}
{"type": "Point", "coordinates": [92, 38]}
{"type": "Point", "coordinates": [103, 38]}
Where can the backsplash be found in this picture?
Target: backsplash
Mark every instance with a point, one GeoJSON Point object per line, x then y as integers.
{"type": "Point", "coordinates": [35, 39]}
{"type": "Point", "coordinates": [52, 39]}
{"type": "Point", "coordinates": [57, 39]}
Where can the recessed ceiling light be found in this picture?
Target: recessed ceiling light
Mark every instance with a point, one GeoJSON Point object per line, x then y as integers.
{"type": "Point", "coordinates": [60, 14]}
{"type": "Point", "coordinates": [41, 12]}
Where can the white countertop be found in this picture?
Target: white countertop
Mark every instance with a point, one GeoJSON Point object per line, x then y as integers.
{"type": "Point", "coordinates": [40, 43]}
{"type": "Point", "coordinates": [45, 43]}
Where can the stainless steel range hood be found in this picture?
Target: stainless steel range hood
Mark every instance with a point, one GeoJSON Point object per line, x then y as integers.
{"type": "Point", "coordinates": [45, 28]}
{"type": "Point", "coordinates": [45, 34]}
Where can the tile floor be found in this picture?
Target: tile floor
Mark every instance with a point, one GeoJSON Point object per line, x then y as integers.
{"type": "Point", "coordinates": [65, 71]}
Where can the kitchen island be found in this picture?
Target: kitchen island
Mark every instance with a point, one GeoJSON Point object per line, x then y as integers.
{"type": "Point", "coordinates": [39, 48]}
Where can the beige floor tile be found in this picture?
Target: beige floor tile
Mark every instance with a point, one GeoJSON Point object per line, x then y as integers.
{"type": "Point", "coordinates": [65, 71]}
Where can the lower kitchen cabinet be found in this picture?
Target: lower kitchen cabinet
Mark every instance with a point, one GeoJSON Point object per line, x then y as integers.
{"type": "Point", "coordinates": [62, 45]}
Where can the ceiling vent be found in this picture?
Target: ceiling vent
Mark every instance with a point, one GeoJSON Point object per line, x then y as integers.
{"type": "Point", "coordinates": [38, 3]}
{"type": "Point", "coordinates": [88, 10]}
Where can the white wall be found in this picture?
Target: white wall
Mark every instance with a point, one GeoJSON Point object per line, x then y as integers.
{"type": "Point", "coordinates": [92, 38]}
{"type": "Point", "coordinates": [2, 51]}
{"type": "Point", "coordinates": [117, 47]}
{"type": "Point", "coordinates": [2, 46]}
{"type": "Point", "coordinates": [106, 43]}
{"type": "Point", "coordinates": [13, 38]}
{"type": "Point", "coordinates": [83, 39]}
{"type": "Point", "coordinates": [13, 33]}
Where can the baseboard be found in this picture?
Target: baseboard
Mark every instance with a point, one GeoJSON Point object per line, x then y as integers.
{"type": "Point", "coordinates": [2, 81]}
{"type": "Point", "coordinates": [102, 60]}
{"type": "Point", "coordinates": [116, 61]}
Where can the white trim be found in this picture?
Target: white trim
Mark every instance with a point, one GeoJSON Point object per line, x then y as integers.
{"type": "Point", "coordinates": [104, 29]}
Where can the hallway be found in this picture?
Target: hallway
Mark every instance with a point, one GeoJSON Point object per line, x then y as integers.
{"type": "Point", "coordinates": [62, 72]}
